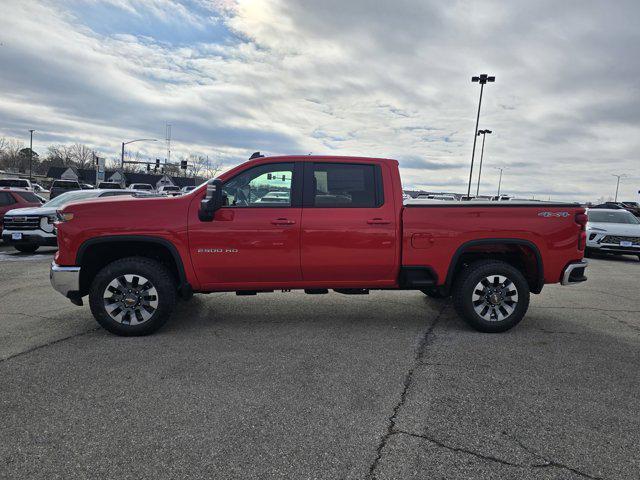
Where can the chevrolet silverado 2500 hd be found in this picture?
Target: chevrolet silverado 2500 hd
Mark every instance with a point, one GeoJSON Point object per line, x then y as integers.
{"type": "Point", "coordinates": [314, 223]}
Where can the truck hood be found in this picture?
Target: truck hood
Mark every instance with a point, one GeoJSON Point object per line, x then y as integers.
{"type": "Point", "coordinates": [615, 228]}
{"type": "Point", "coordinates": [31, 211]}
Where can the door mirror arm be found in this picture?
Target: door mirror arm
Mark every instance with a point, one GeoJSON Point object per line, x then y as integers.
{"type": "Point", "coordinates": [212, 201]}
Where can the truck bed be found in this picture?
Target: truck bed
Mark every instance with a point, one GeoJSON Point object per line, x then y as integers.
{"type": "Point", "coordinates": [436, 233]}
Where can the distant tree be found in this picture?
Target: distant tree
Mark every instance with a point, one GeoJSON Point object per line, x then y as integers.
{"type": "Point", "coordinates": [10, 158]}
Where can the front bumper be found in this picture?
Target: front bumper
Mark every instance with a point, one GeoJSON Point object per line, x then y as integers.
{"type": "Point", "coordinates": [574, 273]}
{"type": "Point", "coordinates": [29, 238]}
{"type": "Point", "coordinates": [65, 280]}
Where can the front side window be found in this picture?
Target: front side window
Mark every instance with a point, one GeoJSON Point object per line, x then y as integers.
{"type": "Point", "coordinates": [262, 186]}
{"type": "Point", "coordinates": [344, 185]}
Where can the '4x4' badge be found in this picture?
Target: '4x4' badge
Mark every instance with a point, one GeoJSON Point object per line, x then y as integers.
{"type": "Point", "coordinates": [553, 214]}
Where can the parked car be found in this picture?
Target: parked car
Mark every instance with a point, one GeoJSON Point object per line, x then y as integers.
{"type": "Point", "coordinates": [187, 189]}
{"type": "Point", "coordinates": [613, 231]}
{"type": "Point", "coordinates": [633, 207]}
{"type": "Point", "coordinates": [109, 185]}
{"type": "Point", "coordinates": [16, 183]}
{"type": "Point", "coordinates": [39, 189]}
{"type": "Point", "coordinates": [141, 186]}
{"type": "Point", "coordinates": [27, 229]}
{"type": "Point", "coordinates": [62, 186]}
{"type": "Point", "coordinates": [171, 190]}
{"type": "Point", "coordinates": [220, 238]}
{"type": "Point", "coordinates": [11, 198]}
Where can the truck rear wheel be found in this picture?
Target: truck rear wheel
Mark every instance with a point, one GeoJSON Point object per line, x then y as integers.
{"type": "Point", "coordinates": [132, 296]}
{"type": "Point", "coordinates": [491, 296]}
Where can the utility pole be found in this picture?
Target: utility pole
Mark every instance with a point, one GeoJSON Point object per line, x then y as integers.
{"type": "Point", "coordinates": [482, 79]}
{"type": "Point", "coordinates": [499, 181]}
{"type": "Point", "coordinates": [622, 175]}
{"type": "Point", "coordinates": [484, 134]}
{"type": "Point", "coordinates": [30, 152]}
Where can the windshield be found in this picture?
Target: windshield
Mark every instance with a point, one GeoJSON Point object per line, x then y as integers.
{"type": "Point", "coordinates": [171, 189]}
{"type": "Point", "coordinates": [71, 197]}
{"type": "Point", "coordinates": [619, 216]}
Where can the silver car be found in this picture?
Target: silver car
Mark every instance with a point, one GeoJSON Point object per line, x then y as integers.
{"type": "Point", "coordinates": [613, 231]}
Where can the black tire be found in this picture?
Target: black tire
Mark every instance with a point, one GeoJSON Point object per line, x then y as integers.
{"type": "Point", "coordinates": [163, 300]}
{"type": "Point", "coordinates": [26, 248]}
{"type": "Point", "coordinates": [466, 288]}
{"type": "Point", "coordinates": [435, 292]}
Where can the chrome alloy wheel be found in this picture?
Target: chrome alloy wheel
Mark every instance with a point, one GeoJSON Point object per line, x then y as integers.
{"type": "Point", "coordinates": [130, 299]}
{"type": "Point", "coordinates": [495, 298]}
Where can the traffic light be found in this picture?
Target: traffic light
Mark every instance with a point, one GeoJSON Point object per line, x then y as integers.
{"type": "Point", "coordinates": [183, 164]}
{"type": "Point", "coordinates": [148, 167]}
{"type": "Point", "coordinates": [157, 164]}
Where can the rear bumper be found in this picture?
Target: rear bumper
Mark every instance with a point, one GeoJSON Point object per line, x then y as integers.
{"type": "Point", "coordinates": [574, 273]}
{"type": "Point", "coordinates": [65, 280]}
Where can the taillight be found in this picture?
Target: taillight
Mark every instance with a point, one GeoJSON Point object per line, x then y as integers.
{"type": "Point", "coordinates": [582, 219]}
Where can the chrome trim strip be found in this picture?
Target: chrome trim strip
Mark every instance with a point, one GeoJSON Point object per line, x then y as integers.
{"type": "Point", "coordinates": [570, 268]}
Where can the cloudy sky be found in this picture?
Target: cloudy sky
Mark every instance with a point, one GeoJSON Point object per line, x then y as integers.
{"type": "Point", "coordinates": [357, 77]}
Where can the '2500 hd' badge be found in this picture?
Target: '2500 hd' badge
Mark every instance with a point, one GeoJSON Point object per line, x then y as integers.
{"type": "Point", "coordinates": [217, 250]}
{"type": "Point", "coordinates": [553, 214]}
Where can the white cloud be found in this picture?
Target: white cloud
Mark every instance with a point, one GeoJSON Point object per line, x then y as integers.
{"type": "Point", "coordinates": [361, 77]}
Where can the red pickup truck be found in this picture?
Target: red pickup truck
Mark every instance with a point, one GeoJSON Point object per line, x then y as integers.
{"type": "Point", "coordinates": [314, 223]}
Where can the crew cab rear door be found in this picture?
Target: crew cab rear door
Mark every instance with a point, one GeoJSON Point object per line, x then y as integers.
{"type": "Point", "coordinates": [255, 239]}
{"type": "Point", "coordinates": [349, 225]}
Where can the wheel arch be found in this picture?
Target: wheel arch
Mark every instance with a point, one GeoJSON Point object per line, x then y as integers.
{"type": "Point", "coordinates": [97, 252]}
{"type": "Point", "coordinates": [520, 253]}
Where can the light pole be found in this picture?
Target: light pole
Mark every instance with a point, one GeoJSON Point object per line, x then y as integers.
{"type": "Point", "coordinates": [499, 181]}
{"type": "Point", "coordinates": [618, 183]}
{"type": "Point", "coordinates": [482, 79]}
{"type": "Point", "coordinates": [30, 152]}
{"type": "Point", "coordinates": [132, 141]}
{"type": "Point", "coordinates": [484, 134]}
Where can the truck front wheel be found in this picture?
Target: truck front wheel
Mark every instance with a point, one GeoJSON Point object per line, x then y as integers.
{"type": "Point", "coordinates": [132, 296]}
{"type": "Point", "coordinates": [491, 296]}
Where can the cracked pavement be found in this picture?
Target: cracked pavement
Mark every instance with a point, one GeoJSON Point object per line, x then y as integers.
{"type": "Point", "coordinates": [386, 386]}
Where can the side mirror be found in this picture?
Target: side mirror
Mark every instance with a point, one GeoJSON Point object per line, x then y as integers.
{"type": "Point", "coordinates": [212, 201]}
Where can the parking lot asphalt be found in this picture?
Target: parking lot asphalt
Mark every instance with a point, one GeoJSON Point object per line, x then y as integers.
{"type": "Point", "coordinates": [285, 385]}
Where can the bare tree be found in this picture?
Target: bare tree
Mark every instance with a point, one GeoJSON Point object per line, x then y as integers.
{"type": "Point", "coordinates": [10, 158]}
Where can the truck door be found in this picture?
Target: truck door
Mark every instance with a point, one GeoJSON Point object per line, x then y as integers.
{"type": "Point", "coordinates": [255, 239]}
{"type": "Point", "coordinates": [348, 225]}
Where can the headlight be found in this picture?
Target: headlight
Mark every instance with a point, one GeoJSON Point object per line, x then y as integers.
{"type": "Point", "coordinates": [64, 216]}
{"type": "Point", "coordinates": [46, 224]}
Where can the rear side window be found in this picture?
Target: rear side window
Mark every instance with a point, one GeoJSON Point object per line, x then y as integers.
{"type": "Point", "coordinates": [346, 185]}
{"type": "Point", "coordinates": [6, 199]}
{"type": "Point", "coordinates": [28, 197]}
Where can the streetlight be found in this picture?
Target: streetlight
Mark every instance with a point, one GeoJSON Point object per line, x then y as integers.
{"type": "Point", "coordinates": [622, 175]}
{"type": "Point", "coordinates": [482, 79]}
{"type": "Point", "coordinates": [31, 152]}
{"type": "Point", "coordinates": [484, 134]}
{"type": "Point", "coordinates": [132, 141]}
{"type": "Point", "coordinates": [499, 181]}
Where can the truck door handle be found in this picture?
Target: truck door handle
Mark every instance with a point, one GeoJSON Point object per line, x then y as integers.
{"type": "Point", "coordinates": [378, 221]}
{"type": "Point", "coordinates": [283, 221]}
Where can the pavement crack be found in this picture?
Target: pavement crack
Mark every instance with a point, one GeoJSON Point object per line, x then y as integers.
{"type": "Point", "coordinates": [408, 380]}
{"type": "Point", "coordinates": [549, 463]}
{"type": "Point", "coordinates": [481, 456]}
{"type": "Point", "coordinates": [53, 342]}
